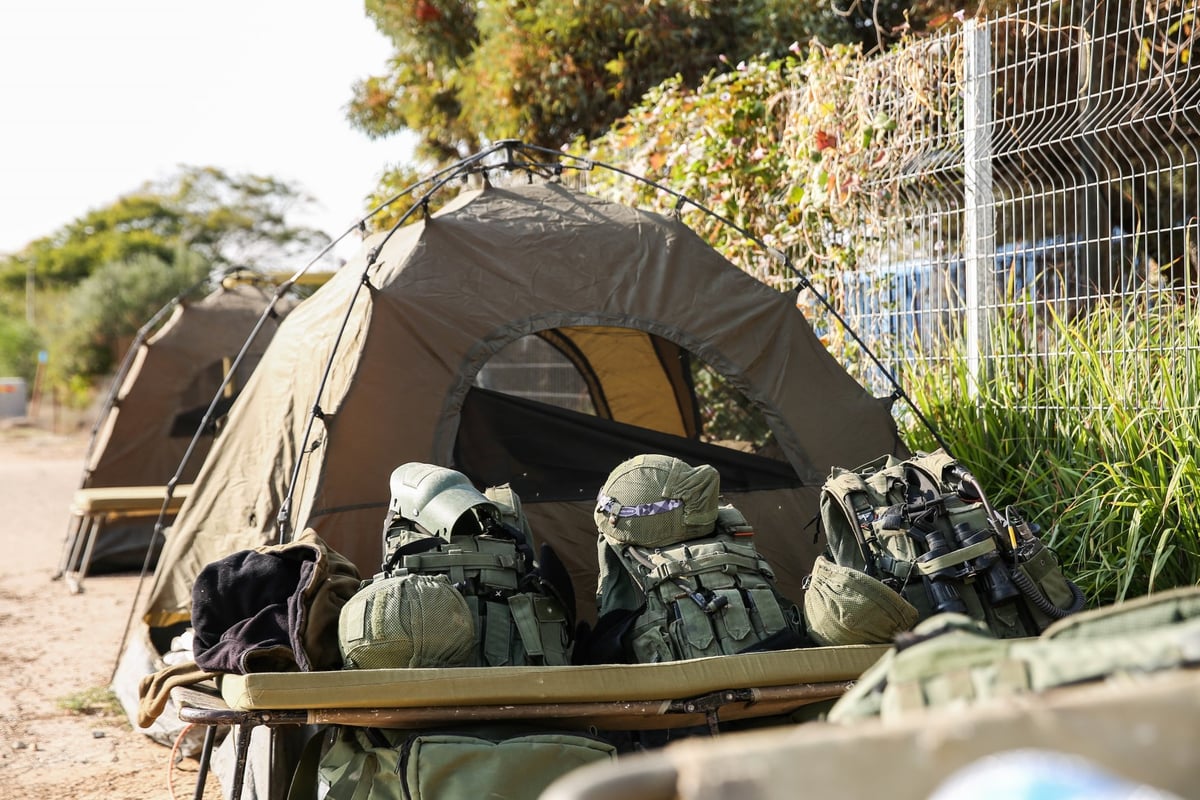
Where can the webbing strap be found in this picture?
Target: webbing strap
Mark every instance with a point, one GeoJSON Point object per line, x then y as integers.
{"type": "Point", "coordinates": [852, 493]}
{"type": "Point", "coordinates": [525, 618]}
{"type": "Point", "coordinates": [890, 565]}
{"type": "Point", "coordinates": [956, 557]}
{"type": "Point", "coordinates": [690, 566]}
{"type": "Point", "coordinates": [853, 496]}
{"type": "Point", "coordinates": [461, 559]}
{"type": "Point", "coordinates": [614, 509]}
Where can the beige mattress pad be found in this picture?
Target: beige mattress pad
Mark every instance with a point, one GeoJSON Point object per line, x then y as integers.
{"type": "Point", "coordinates": [126, 499]}
{"type": "Point", "coordinates": [482, 686]}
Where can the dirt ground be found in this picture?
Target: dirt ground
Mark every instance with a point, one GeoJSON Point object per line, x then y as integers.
{"type": "Point", "coordinates": [57, 647]}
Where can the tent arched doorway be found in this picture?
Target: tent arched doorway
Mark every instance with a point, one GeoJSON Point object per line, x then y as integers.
{"type": "Point", "coordinates": [568, 384]}
{"type": "Point", "coordinates": [552, 412]}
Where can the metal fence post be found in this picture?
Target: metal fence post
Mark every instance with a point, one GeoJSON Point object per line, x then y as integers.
{"type": "Point", "coordinates": [979, 224]}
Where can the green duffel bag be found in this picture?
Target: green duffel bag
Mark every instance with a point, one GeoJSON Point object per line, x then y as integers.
{"type": "Point", "coordinates": [496, 762]}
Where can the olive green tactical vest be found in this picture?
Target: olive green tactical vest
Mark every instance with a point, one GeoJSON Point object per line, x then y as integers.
{"type": "Point", "coordinates": [517, 622]}
{"type": "Point", "coordinates": [706, 596]}
{"type": "Point", "coordinates": [905, 541]}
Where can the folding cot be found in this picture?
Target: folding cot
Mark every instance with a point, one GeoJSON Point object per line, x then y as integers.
{"type": "Point", "coordinates": [615, 697]}
{"type": "Point", "coordinates": [92, 509]}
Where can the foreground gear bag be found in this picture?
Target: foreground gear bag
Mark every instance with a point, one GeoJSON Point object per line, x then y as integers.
{"type": "Point", "coordinates": [680, 576]}
{"type": "Point", "coordinates": [910, 539]}
{"type": "Point", "coordinates": [513, 762]}
{"type": "Point", "coordinates": [953, 660]}
{"type": "Point", "coordinates": [439, 524]}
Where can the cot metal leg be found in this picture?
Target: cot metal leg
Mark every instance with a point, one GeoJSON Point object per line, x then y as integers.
{"type": "Point", "coordinates": [210, 736]}
{"type": "Point", "coordinates": [75, 578]}
{"type": "Point", "coordinates": [74, 531]}
{"type": "Point", "coordinates": [242, 755]}
{"type": "Point", "coordinates": [202, 708]}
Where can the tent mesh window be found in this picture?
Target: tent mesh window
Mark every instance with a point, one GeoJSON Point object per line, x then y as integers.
{"type": "Point", "coordinates": [535, 368]}
{"type": "Point", "coordinates": [194, 401]}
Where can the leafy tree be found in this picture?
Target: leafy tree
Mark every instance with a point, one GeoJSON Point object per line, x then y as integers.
{"type": "Point", "coordinates": [113, 303]}
{"type": "Point", "coordinates": [225, 219]}
{"type": "Point", "coordinates": [242, 220]}
{"type": "Point", "coordinates": [547, 72]}
{"type": "Point", "coordinates": [723, 144]}
{"type": "Point", "coordinates": [134, 224]}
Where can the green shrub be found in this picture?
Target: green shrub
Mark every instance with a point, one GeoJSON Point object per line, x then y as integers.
{"type": "Point", "coordinates": [96, 701]}
{"type": "Point", "coordinates": [19, 346]}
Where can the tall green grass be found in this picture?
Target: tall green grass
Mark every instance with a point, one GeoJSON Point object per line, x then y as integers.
{"type": "Point", "coordinates": [1093, 433]}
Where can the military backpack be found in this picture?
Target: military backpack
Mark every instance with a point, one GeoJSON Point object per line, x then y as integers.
{"type": "Point", "coordinates": [680, 576]}
{"type": "Point", "coordinates": [954, 661]}
{"type": "Point", "coordinates": [480, 544]}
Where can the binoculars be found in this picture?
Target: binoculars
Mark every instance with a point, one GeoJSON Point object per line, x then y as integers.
{"type": "Point", "coordinates": [989, 568]}
{"type": "Point", "coordinates": [941, 586]}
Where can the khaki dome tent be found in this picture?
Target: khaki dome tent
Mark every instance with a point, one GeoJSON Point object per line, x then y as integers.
{"type": "Point", "coordinates": [625, 296]}
{"type": "Point", "coordinates": [161, 399]}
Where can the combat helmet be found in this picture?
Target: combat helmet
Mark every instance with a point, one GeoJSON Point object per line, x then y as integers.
{"type": "Point", "coordinates": [437, 499]}
{"type": "Point", "coordinates": [655, 500]}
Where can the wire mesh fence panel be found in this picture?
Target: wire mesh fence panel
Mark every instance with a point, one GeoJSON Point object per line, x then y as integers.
{"type": "Point", "coordinates": [1038, 167]}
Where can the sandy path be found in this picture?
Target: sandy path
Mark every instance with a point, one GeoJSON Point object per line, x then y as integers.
{"type": "Point", "coordinates": [55, 645]}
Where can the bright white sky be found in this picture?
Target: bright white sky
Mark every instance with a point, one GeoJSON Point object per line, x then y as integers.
{"type": "Point", "coordinates": [98, 97]}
